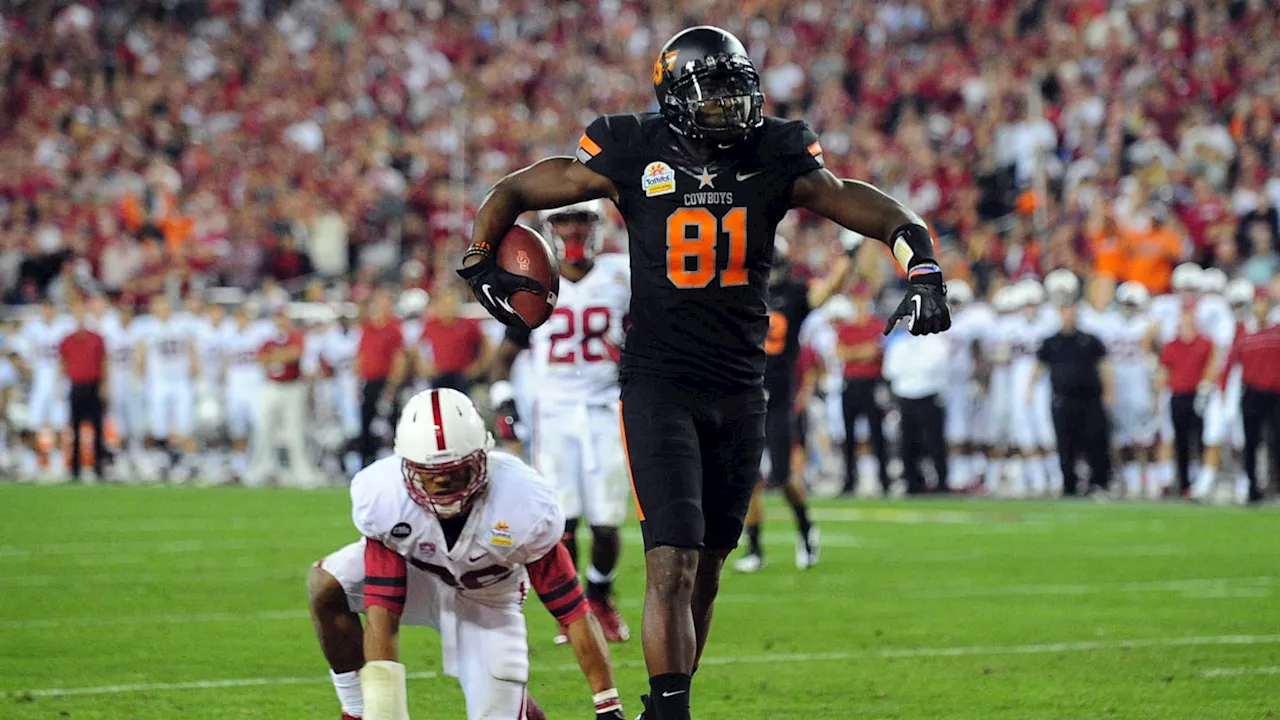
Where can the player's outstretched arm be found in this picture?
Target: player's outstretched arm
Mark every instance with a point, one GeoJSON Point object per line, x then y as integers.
{"type": "Point", "coordinates": [550, 183]}
{"type": "Point", "coordinates": [382, 679]}
{"type": "Point", "coordinates": [864, 209]}
{"type": "Point", "coordinates": [555, 579]}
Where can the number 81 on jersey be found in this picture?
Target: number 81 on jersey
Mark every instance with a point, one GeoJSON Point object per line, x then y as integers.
{"type": "Point", "coordinates": [692, 236]}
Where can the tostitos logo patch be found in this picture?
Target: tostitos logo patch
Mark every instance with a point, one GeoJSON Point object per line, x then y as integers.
{"type": "Point", "coordinates": [500, 534]}
{"type": "Point", "coordinates": [658, 179]}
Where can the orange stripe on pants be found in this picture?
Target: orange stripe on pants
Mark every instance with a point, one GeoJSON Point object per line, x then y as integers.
{"type": "Point", "coordinates": [622, 424]}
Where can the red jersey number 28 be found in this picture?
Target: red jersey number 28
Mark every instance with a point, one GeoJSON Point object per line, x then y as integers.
{"type": "Point", "coordinates": [692, 234]}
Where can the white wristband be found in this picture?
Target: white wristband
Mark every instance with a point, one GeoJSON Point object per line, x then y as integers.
{"type": "Point", "coordinates": [499, 392]}
{"type": "Point", "coordinates": [607, 701]}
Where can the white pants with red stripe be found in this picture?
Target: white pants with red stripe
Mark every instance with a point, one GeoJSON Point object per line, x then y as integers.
{"type": "Point", "coordinates": [485, 647]}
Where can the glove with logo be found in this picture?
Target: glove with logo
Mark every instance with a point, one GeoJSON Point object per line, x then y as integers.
{"type": "Point", "coordinates": [924, 306]}
{"type": "Point", "coordinates": [493, 286]}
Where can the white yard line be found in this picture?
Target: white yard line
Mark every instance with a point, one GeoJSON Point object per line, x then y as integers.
{"type": "Point", "coordinates": [1196, 588]}
{"type": "Point", "coordinates": [1239, 672]}
{"type": "Point", "coordinates": [768, 658]}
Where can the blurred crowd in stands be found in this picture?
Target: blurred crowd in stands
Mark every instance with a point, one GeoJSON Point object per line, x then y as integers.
{"type": "Point", "coordinates": [153, 145]}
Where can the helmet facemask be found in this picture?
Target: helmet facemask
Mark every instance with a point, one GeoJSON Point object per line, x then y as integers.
{"type": "Point", "coordinates": [447, 489]}
{"type": "Point", "coordinates": [720, 102]}
{"type": "Point", "coordinates": [576, 236]}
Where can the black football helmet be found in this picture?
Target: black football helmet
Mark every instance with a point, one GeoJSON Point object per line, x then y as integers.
{"type": "Point", "coordinates": [708, 89]}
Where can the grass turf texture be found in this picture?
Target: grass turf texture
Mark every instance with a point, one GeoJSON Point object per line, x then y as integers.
{"type": "Point", "coordinates": [189, 603]}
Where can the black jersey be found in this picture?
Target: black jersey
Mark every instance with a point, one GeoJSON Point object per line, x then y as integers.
{"type": "Point", "coordinates": [788, 307]}
{"type": "Point", "coordinates": [701, 243]}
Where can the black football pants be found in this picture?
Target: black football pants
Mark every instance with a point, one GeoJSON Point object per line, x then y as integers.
{"type": "Point", "coordinates": [1081, 425]}
{"type": "Point", "coordinates": [859, 400]}
{"type": "Point", "coordinates": [86, 406]}
{"type": "Point", "coordinates": [1260, 413]}
{"type": "Point", "coordinates": [923, 438]}
{"type": "Point", "coordinates": [1188, 429]}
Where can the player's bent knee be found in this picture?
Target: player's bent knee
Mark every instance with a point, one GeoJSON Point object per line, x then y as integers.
{"type": "Point", "coordinates": [324, 590]}
{"type": "Point", "coordinates": [671, 570]}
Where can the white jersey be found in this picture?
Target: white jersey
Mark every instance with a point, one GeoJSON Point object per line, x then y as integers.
{"type": "Point", "coordinates": [121, 343]}
{"type": "Point", "coordinates": [167, 347]}
{"type": "Point", "coordinates": [338, 350]}
{"type": "Point", "coordinates": [514, 522]}
{"type": "Point", "coordinates": [1165, 311]}
{"type": "Point", "coordinates": [240, 346]}
{"type": "Point", "coordinates": [575, 351]}
{"type": "Point", "coordinates": [1127, 350]}
{"type": "Point", "coordinates": [211, 349]}
{"type": "Point", "coordinates": [39, 345]}
{"type": "Point", "coordinates": [968, 326]}
{"type": "Point", "coordinates": [1024, 336]}
{"type": "Point", "coordinates": [1215, 319]}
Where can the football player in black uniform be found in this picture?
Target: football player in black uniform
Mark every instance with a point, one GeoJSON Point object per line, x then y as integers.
{"type": "Point", "coordinates": [701, 185]}
{"type": "Point", "coordinates": [790, 302]}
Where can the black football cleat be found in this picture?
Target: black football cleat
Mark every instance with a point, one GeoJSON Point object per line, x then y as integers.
{"type": "Point", "coordinates": [647, 712]}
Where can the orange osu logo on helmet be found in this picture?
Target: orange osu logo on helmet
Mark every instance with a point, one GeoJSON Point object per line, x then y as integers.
{"type": "Point", "coordinates": [666, 61]}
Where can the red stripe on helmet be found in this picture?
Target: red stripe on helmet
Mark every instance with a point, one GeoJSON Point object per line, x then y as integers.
{"type": "Point", "coordinates": [438, 418]}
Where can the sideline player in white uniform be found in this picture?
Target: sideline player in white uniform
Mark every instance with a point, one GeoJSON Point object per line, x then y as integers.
{"type": "Point", "coordinates": [1223, 426]}
{"type": "Point", "coordinates": [210, 345]}
{"type": "Point", "coordinates": [243, 335]}
{"type": "Point", "coordinates": [38, 347]}
{"type": "Point", "coordinates": [996, 427]}
{"type": "Point", "coordinates": [126, 399]}
{"type": "Point", "coordinates": [338, 353]}
{"type": "Point", "coordinates": [576, 437]}
{"type": "Point", "coordinates": [969, 321]}
{"type": "Point", "coordinates": [167, 364]}
{"type": "Point", "coordinates": [1033, 431]}
{"type": "Point", "coordinates": [455, 534]}
{"type": "Point", "coordinates": [1130, 340]}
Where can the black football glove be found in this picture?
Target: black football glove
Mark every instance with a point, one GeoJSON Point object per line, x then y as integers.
{"type": "Point", "coordinates": [493, 286]}
{"type": "Point", "coordinates": [502, 400]}
{"type": "Point", "coordinates": [924, 306]}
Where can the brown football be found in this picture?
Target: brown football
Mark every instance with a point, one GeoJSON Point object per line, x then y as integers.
{"type": "Point", "coordinates": [526, 253]}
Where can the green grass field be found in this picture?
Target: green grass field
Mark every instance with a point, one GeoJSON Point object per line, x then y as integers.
{"type": "Point", "coordinates": [169, 603]}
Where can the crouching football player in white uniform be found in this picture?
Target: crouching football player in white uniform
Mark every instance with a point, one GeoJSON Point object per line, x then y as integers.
{"type": "Point", "coordinates": [576, 438]}
{"type": "Point", "coordinates": [455, 533]}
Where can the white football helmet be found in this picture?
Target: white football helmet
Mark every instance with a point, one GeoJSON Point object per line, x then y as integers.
{"type": "Point", "coordinates": [1239, 293]}
{"type": "Point", "coordinates": [412, 302]}
{"type": "Point", "coordinates": [1007, 300]}
{"type": "Point", "coordinates": [1062, 286]}
{"type": "Point", "coordinates": [440, 432]}
{"type": "Point", "coordinates": [1030, 292]}
{"type": "Point", "coordinates": [1213, 280]}
{"type": "Point", "coordinates": [959, 293]}
{"type": "Point", "coordinates": [1186, 277]}
{"type": "Point", "coordinates": [576, 249]}
{"type": "Point", "coordinates": [1133, 296]}
{"type": "Point", "coordinates": [840, 307]}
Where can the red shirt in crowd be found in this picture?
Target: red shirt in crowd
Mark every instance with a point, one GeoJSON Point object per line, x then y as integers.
{"type": "Point", "coordinates": [454, 344]}
{"type": "Point", "coordinates": [83, 353]}
{"type": "Point", "coordinates": [288, 371]}
{"type": "Point", "coordinates": [1258, 354]}
{"type": "Point", "coordinates": [379, 342]}
{"type": "Point", "coordinates": [868, 329]}
{"type": "Point", "coordinates": [1186, 362]}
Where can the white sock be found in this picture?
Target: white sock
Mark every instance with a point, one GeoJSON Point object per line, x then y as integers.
{"type": "Point", "coordinates": [995, 469]}
{"type": "Point", "coordinates": [977, 466]}
{"type": "Point", "coordinates": [1017, 478]}
{"type": "Point", "coordinates": [959, 472]}
{"type": "Point", "coordinates": [1205, 480]}
{"type": "Point", "coordinates": [1037, 477]}
{"type": "Point", "coordinates": [347, 685]}
{"type": "Point", "coordinates": [1166, 471]}
{"type": "Point", "coordinates": [1132, 480]}
{"type": "Point", "coordinates": [1053, 466]}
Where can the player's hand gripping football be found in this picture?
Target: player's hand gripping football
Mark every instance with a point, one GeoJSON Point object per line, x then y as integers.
{"type": "Point", "coordinates": [493, 286]}
{"type": "Point", "coordinates": [924, 306]}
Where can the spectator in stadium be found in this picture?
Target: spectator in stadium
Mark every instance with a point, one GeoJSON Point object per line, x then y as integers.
{"type": "Point", "coordinates": [859, 346]}
{"type": "Point", "coordinates": [1258, 354]}
{"type": "Point", "coordinates": [452, 350]}
{"type": "Point", "coordinates": [380, 365]}
{"type": "Point", "coordinates": [1187, 371]}
{"type": "Point", "coordinates": [1081, 382]}
{"type": "Point", "coordinates": [916, 368]}
{"type": "Point", "coordinates": [83, 355]}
